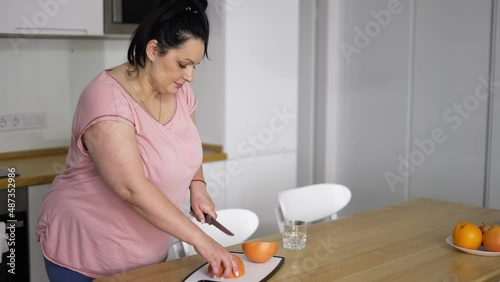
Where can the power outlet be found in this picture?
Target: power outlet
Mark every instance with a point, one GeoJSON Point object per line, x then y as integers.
{"type": "Point", "coordinates": [23, 121]}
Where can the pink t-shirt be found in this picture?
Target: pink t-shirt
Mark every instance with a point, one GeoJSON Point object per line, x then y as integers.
{"type": "Point", "coordinates": [83, 225]}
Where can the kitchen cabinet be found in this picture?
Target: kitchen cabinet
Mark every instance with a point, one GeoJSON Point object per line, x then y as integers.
{"type": "Point", "coordinates": [51, 17]}
{"type": "Point", "coordinates": [37, 265]}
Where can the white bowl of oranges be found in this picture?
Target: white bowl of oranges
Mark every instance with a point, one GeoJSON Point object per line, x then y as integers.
{"type": "Point", "coordinates": [479, 240]}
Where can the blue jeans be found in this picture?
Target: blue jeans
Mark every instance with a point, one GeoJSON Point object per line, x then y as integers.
{"type": "Point", "coordinates": [58, 273]}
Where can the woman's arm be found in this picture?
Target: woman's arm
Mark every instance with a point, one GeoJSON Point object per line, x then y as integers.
{"type": "Point", "coordinates": [201, 202]}
{"type": "Point", "coordinates": [118, 161]}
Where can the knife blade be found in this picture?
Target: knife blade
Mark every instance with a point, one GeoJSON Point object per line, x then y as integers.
{"type": "Point", "coordinates": [212, 221]}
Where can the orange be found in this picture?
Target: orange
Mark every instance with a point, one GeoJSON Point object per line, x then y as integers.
{"type": "Point", "coordinates": [491, 239]}
{"type": "Point", "coordinates": [467, 235]}
{"type": "Point", "coordinates": [241, 269]}
{"type": "Point", "coordinates": [259, 251]}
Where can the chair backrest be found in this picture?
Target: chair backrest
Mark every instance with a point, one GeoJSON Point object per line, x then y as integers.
{"type": "Point", "coordinates": [242, 222]}
{"type": "Point", "coordinates": [312, 203]}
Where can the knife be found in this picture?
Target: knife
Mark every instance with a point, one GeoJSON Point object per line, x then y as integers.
{"type": "Point", "coordinates": [212, 221]}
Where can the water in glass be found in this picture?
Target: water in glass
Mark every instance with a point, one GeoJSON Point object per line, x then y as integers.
{"type": "Point", "coordinates": [294, 240]}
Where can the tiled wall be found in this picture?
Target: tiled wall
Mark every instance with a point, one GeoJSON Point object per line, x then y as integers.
{"type": "Point", "coordinates": [46, 74]}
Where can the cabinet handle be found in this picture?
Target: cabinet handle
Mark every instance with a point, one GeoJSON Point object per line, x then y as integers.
{"type": "Point", "coordinates": [117, 11]}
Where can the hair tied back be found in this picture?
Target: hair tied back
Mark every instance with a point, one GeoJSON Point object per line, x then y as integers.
{"type": "Point", "coordinates": [188, 8]}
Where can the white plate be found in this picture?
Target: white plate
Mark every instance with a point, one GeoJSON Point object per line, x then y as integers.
{"type": "Point", "coordinates": [480, 251]}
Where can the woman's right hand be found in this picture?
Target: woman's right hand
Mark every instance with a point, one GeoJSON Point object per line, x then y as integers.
{"type": "Point", "coordinates": [217, 256]}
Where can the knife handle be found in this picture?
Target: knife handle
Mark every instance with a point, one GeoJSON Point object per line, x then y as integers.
{"type": "Point", "coordinates": [206, 215]}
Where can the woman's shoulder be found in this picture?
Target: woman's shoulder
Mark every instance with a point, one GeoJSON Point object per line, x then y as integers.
{"type": "Point", "coordinates": [102, 99]}
{"type": "Point", "coordinates": [103, 92]}
{"type": "Point", "coordinates": [103, 86]}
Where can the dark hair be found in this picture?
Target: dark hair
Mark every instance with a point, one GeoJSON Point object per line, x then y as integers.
{"type": "Point", "coordinates": [171, 23]}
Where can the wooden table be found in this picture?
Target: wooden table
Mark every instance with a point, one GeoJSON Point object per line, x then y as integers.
{"type": "Point", "coordinates": [403, 242]}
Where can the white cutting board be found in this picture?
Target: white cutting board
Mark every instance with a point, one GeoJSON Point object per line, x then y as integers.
{"type": "Point", "coordinates": [253, 271]}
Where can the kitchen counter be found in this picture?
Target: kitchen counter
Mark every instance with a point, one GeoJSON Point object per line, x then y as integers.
{"type": "Point", "coordinates": [40, 167]}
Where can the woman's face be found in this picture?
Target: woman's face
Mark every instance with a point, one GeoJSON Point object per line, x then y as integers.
{"type": "Point", "coordinates": [167, 73]}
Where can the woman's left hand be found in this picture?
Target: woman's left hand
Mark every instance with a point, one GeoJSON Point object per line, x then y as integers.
{"type": "Point", "coordinates": [201, 202]}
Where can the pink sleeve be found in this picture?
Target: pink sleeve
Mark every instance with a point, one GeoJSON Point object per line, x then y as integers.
{"type": "Point", "coordinates": [98, 102]}
{"type": "Point", "coordinates": [189, 97]}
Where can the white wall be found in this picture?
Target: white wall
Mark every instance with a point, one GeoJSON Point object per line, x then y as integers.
{"type": "Point", "coordinates": [306, 88]}
{"type": "Point", "coordinates": [260, 92]}
{"type": "Point", "coordinates": [365, 97]}
{"type": "Point", "coordinates": [451, 49]}
{"type": "Point", "coordinates": [261, 77]}
{"type": "Point", "coordinates": [398, 68]}
{"type": "Point", "coordinates": [494, 176]}
{"type": "Point", "coordinates": [208, 84]}
{"type": "Point", "coordinates": [48, 75]}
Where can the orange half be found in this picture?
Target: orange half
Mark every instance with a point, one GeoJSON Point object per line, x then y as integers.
{"type": "Point", "coordinates": [259, 251]}
{"type": "Point", "coordinates": [241, 269]}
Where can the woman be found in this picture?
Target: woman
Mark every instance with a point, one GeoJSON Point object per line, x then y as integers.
{"type": "Point", "coordinates": [135, 151]}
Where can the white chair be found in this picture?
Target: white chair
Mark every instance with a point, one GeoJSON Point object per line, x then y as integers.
{"type": "Point", "coordinates": [312, 203]}
{"type": "Point", "coordinates": [241, 222]}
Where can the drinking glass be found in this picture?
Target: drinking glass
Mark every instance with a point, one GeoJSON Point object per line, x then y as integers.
{"type": "Point", "coordinates": [294, 234]}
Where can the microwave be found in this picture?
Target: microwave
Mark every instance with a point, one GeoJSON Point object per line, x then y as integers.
{"type": "Point", "coordinates": [123, 16]}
